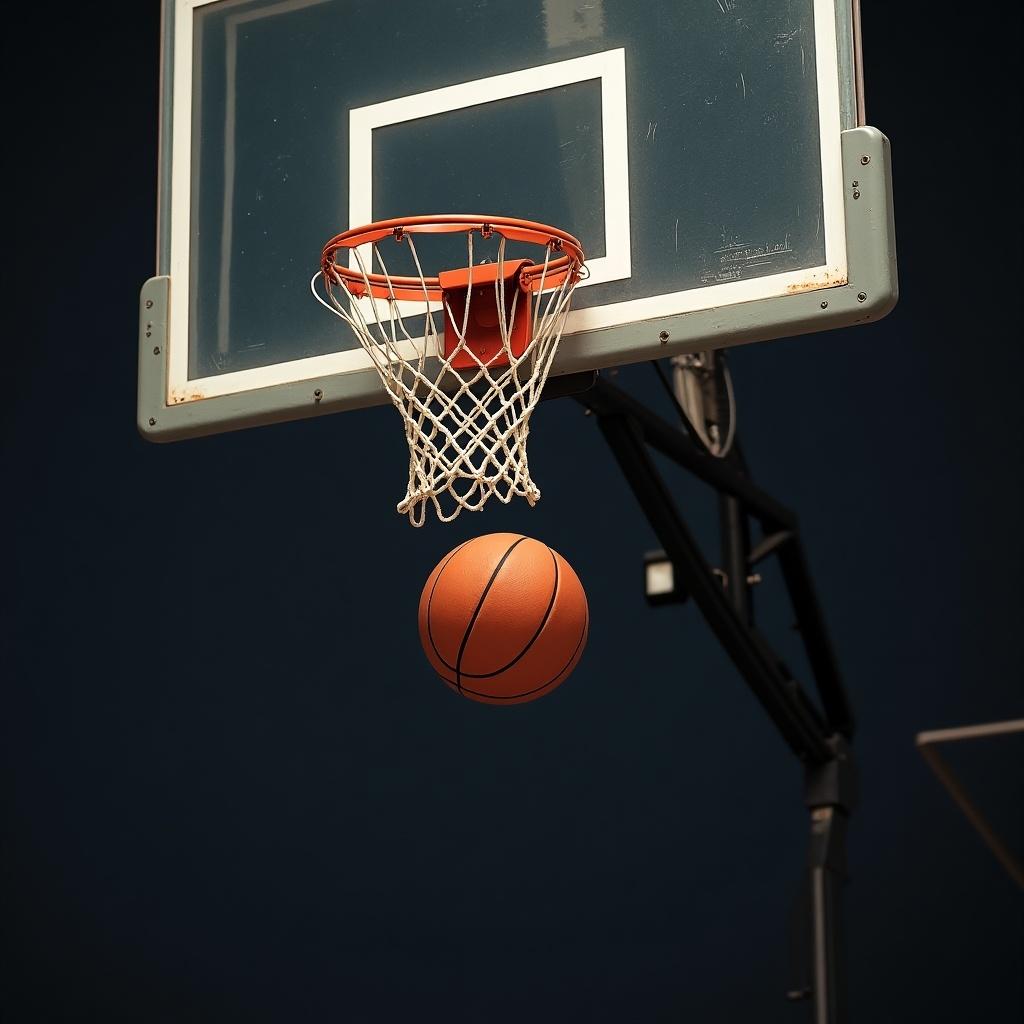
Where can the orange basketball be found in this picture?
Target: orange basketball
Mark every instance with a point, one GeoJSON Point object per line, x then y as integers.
{"type": "Point", "coordinates": [503, 619]}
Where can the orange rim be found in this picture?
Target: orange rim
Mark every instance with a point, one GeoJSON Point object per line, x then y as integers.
{"type": "Point", "coordinates": [428, 289]}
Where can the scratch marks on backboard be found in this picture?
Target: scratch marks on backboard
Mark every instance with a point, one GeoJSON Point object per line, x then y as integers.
{"type": "Point", "coordinates": [781, 43]}
{"type": "Point", "coordinates": [743, 85]}
{"type": "Point", "coordinates": [733, 261]}
{"type": "Point", "coordinates": [729, 7]}
{"type": "Point", "coordinates": [652, 130]}
{"type": "Point", "coordinates": [783, 39]}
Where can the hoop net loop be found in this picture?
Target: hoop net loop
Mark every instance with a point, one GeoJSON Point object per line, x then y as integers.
{"type": "Point", "coordinates": [466, 414]}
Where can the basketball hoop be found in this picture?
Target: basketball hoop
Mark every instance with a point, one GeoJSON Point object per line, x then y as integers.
{"type": "Point", "coordinates": [466, 396]}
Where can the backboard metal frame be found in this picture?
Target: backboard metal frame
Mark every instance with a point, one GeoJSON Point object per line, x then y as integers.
{"type": "Point", "coordinates": [857, 284]}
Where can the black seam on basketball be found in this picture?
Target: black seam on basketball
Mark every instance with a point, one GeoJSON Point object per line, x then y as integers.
{"type": "Point", "coordinates": [540, 628]}
{"type": "Point", "coordinates": [479, 605]}
{"type": "Point", "coordinates": [430, 600]}
{"type": "Point", "coordinates": [554, 679]}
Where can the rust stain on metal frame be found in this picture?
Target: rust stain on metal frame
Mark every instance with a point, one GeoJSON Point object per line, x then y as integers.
{"type": "Point", "coordinates": [177, 397]}
{"type": "Point", "coordinates": [818, 279]}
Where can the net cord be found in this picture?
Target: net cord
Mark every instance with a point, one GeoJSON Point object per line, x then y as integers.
{"type": "Point", "coordinates": [467, 429]}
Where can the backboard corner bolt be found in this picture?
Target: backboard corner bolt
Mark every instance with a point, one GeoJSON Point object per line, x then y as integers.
{"type": "Point", "coordinates": [152, 421]}
{"type": "Point", "coordinates": [824, 304]}
{"type": "Point", "coordinates": [865, 159]}
{"type": "Point", "coordinates": [156, 350]}
{"type": "Point", "coordinates": [862, 296]}
{"type": "Point", "coordinates": [149, 303]}
{"type": "Point", "coordinates": [318, 395]}
{"type": "Point", "coordinates": [663, 337]}
{"type": "Point", "coordinates": [856, 194]}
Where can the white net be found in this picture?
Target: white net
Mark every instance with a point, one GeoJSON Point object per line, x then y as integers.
{"type": "Point", "coordinates": [466, 426]}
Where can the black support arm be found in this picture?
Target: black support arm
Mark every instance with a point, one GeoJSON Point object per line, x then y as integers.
{"type": "Point", "coordinates": [818, 738]}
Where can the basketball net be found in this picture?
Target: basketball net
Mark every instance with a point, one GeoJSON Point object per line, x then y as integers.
{"type": "Point", "coordinates": [466, 425]}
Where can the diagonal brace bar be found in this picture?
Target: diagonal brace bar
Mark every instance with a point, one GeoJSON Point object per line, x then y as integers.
{"type": "Point", "coordinates": [794, 718]}
{"type": "Point", "coordinates": [780, 523]}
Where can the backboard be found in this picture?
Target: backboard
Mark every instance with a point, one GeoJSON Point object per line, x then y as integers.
{"type": "Point", "coordinates": [710, 155]}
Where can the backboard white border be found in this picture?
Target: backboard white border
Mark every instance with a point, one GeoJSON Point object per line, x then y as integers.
{"type": "Point", "coordinates": [833, 272]}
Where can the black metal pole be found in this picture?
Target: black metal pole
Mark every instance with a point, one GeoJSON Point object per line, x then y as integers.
{"type": "Point", "coordinates": [811, 623]}
{"type": "Point", "coordinates": [826, 869]}
{"type": "Point", "coordinates": [606, 399]}
{"type": "Point", "coordinates": [735, 534]}
{"type": "Point", "coordinates": [793, 717]}
{"type": "Point", "coordinates": [820, 742]}
{"type": "Point", "coordinates": [779, 523]}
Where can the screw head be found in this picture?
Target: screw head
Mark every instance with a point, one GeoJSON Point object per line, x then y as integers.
{"type": "Point", "coordinates": [824, 304]}
{"type": "Point", "coordinates": [156, 350]}
{"type": "Point", "coordinates": [318, 394]}
{"type": "Point", "coordinates": [152, 422]}
{"type": "Point", "coordinates": [865, 159]}
{"type": "Point", "coordinates": [862, 296]}
{"type": "Point", "coordinates": [856, 194]}
{"type": "Point", "coordinates": [149, 303]}
{"type": "Point", "coordinates": [663, 337]}
{"type": "Point", "coordinates": [854, 183]}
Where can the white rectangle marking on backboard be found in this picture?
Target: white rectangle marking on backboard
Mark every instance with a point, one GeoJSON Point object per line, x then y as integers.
{"type": "Point", "coordinates": [608, 67]}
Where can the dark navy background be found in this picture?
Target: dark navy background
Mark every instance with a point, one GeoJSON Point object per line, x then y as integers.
{"type": "Point", "coordinates": [232, 788]}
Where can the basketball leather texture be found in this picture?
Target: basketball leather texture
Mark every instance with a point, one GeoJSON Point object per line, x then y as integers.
{"type": "Point", "coordinates": [503, 619]}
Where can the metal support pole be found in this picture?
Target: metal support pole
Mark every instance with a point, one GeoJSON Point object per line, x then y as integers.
{"type": "Point", "coordinates": [735, 533]}
{"type": "Point", "coordinates": [827, 869]}
{"type": "Point", "coordinates": [831, 793]}
{"type": "Point", "coordinates": [794, 718]}
{"type": "Point", "coordinates": [810, 621]}
{"type": "Point", "coordinates": [819, 741]}
{"type": "Point", "coordinates": [605, 399]}
{"type": "Point", "coordinates": [729, 478]}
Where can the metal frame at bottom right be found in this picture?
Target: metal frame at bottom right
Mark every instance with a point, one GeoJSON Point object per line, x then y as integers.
{"type": "Point", "coordinates": [819, 738]}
